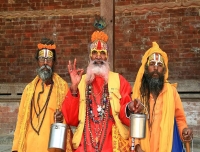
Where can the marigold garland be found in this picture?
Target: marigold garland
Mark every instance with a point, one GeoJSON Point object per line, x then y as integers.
{"type": "Point", "coordinates": [99, 35]}
{"type": "Point", "coordinates": [44, 46]}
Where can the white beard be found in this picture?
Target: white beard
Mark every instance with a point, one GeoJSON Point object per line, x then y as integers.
{"type": "Point", "coordinates": [97, 67]}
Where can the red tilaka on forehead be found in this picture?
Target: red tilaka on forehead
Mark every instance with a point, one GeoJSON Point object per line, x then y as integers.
{"type": "Point", "coordinates": [99, 46]}
{"type": "Point", "coordinates": [157, 56]}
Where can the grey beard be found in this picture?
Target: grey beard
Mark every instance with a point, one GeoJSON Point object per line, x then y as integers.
{"type": "Point", "coordinates": [44, 74]}
{"type": "Point", "coordinates": [155, 85]}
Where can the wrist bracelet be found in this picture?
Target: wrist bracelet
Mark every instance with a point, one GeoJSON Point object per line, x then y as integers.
{"type": "Point", "coordinates": [74, 93]}
{"type": "Point", "coordinates": [129, 109]}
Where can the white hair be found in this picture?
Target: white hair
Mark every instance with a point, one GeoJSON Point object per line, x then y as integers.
{"type": "Point", "coordinates": [97, 67]}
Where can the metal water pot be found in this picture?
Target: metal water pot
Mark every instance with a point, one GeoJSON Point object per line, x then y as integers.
{"type": "Point", "coordinates": [58, 136]}
{"type": "Point", "coordinates": [138, 125]}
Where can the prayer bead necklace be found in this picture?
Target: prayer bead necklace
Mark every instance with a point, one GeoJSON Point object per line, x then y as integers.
{"type": "Point", "coordinates": [100, 121]}
{"type": "Point", "coordinates": [39, 111]}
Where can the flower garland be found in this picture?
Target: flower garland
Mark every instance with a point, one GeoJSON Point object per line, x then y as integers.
{"type": "Point", "coordinates": [44, 46]}
{"type": "Point", "coordinates": [99, 35]}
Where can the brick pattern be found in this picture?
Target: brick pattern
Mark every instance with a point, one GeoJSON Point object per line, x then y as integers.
{"type": "Point", "coordinates": [21, 36]}
{"type": "Point", "coordinates": [24, 5]}
{"type": "Point", "coordinates": [192, 112]}
{"type": "Point", "coordinates": [175, 30]}
{"type": "Point", "coordinates": [8, 117]}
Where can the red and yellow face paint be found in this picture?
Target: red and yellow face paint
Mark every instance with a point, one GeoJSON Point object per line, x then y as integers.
{"type": "Point", "coordinates": [99, 48]}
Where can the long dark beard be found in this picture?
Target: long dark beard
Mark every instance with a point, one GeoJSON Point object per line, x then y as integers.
{"type": "Point", "coordinates": [155, 84]}
{"type": "Point", "coordinates": [45, 72]}
{"type": "Point", "coordinates": [97, 67]}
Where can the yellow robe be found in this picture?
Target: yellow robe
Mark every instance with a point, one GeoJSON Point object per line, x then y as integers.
{"type": "Point", "coordinates": [25, 138]}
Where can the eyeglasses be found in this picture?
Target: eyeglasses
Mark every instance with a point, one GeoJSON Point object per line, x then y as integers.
{"type": "Point", "coordinates": [42, 59]}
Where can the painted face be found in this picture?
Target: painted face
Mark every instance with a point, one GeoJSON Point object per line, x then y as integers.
{"type": "Point", "coordinates": [155, 65]}
{"type": "Point", "coordinates": [98, 48]}
{"type": "Point", "coordinates": [45, 55]}
{"type": "Point", "coordinates": [155, 60]}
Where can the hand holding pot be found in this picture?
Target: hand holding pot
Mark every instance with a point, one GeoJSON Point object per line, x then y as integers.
{"type": "Point", "coordinates": [135, 106]}
{"type": "Point", "coordinates": [58, 116]}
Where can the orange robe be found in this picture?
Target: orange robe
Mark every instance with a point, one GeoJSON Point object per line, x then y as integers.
{"type": "Point", "coordinates": [71, 106]}
{"type": "Point", "coordinates": [179, 114]}
{"type": "Point", "coordinates": [157, 117]}
{"type": "Point", "coordinates": [168, 106]}
{"type": "Point", "coordinates": [33, 141]}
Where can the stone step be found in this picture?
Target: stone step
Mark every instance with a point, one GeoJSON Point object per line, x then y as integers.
{"type": "Point", "coordinates": [6, 139]}
{"type": "Point", "coordinates": [196, 143]}
{"type": "Point", "coordinates": [6, 143]}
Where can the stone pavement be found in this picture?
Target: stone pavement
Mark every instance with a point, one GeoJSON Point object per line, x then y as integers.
{"type": "Point", "coordinates": [7, 148]}
{"type": "Point", "coordinates": [6, 143]}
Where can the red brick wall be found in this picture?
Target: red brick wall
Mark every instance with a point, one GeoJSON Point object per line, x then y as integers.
{"type": "Point", "coordinates": [8, 116]}
{"type": "Point", "coordinates": [21, 36]}
{"type": "Point", "coordinates": [23, 24]}
{"type": "Point", "coordinates": [176, 29]}
{"type": "Point", "coordinates": [29, 5]}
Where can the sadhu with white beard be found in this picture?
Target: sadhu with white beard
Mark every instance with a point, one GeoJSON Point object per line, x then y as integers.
{"type": "Point", "coordinates": [98, 103]}
{"type": "Point", "coordinates": [39, 102]}
{"type": "Point", "coordinates": [163, 103]}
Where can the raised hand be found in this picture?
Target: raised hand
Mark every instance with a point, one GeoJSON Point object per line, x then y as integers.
{"type": "Point", "coordinates": [75, 75]}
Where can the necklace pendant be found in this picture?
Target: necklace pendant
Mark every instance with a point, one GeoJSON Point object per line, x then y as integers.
{"type": "Point", "coordinates": [96, 140]}
{"type": "Point", "coordinates": [99, 108]}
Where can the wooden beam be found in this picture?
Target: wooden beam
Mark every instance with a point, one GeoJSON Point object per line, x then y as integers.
{"type": "Point", "coordinates": [107, 12]}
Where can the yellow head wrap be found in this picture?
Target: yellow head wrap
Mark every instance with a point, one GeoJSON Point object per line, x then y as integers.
{"type": "Point", "coordinates": [154, 49]}
{"type": "Point", "coordinates": [155, 58]}
{"type": "Point", "coordinates": [166, 125]}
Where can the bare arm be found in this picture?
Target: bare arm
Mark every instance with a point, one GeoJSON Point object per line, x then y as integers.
{"type": "Point", "coordinates": [75, 75]}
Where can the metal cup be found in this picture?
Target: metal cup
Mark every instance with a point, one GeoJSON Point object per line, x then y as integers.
{"type": "Point", "coordinates": [58, 136]}
{"type": "Point", "coordinates": [138, 125]}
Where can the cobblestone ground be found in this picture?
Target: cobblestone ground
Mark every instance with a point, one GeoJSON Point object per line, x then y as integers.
{"type": "Point", "coordinates": [6, 144]}
{"type": "Point", "coordinates": [7, 148]}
